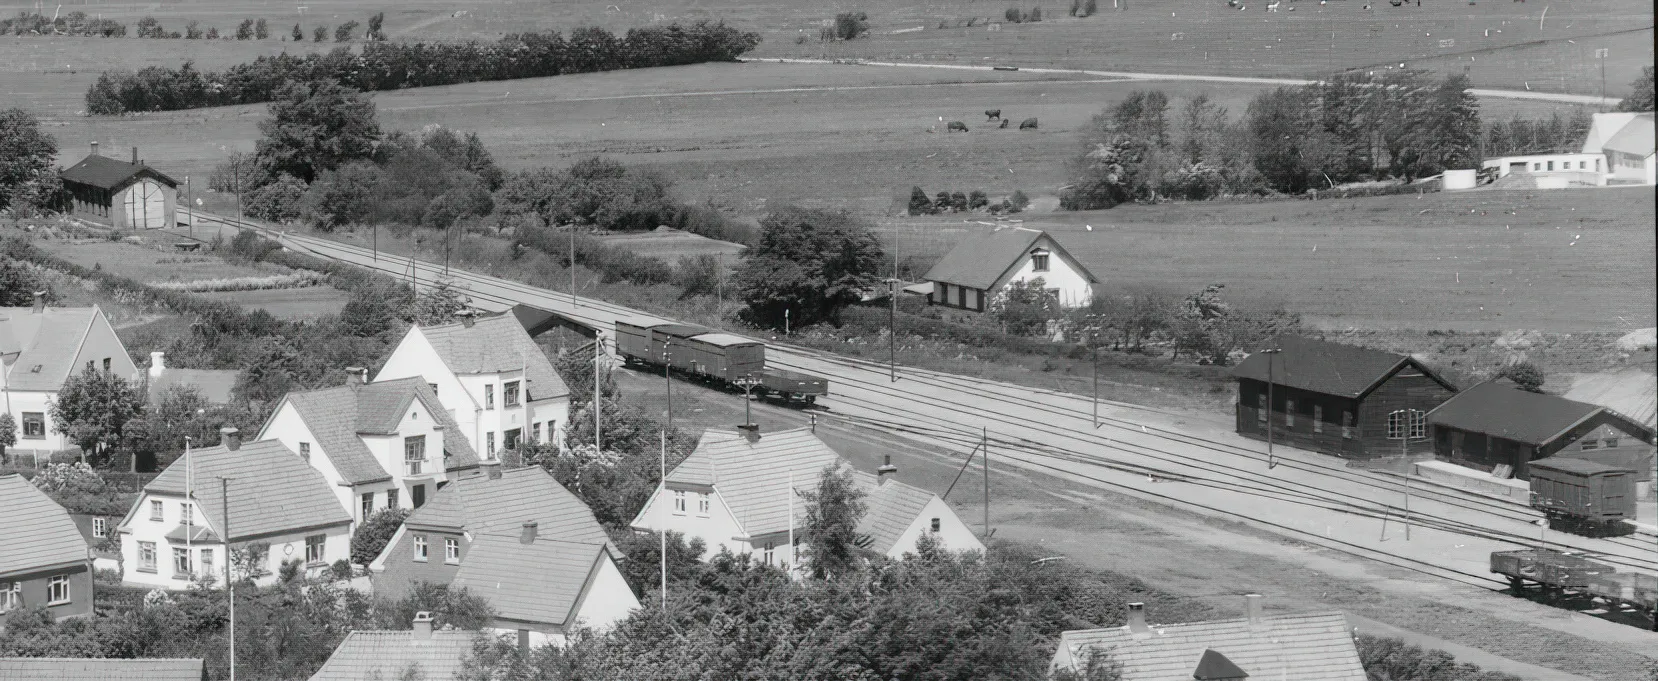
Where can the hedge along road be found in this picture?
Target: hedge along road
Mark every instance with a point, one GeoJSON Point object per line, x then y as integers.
{"type": "Point", "coordinates": [1141, 453]}
{"type": "Point", "coordinates": [1129, 75]}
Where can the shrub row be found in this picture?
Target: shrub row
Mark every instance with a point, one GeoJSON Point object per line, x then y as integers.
{"type": "Point", "coordinates": [73, 23]}
{"type": "Point", "coordinates": [1014, 15]}
{"type": "Point", "coordinates": [956, 202]}
{"type": "Point", "coordinates": [392, 66]}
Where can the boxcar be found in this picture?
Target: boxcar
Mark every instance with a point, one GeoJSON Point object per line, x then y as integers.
{"type": "Point", "coordinates": [792, 385]}
{"type": "Point", "coordinates": [1583, 497]}
{"type": "Point", "coordinates": [715, 357]}
{"type": "Point", "coordinates": [719, 356]}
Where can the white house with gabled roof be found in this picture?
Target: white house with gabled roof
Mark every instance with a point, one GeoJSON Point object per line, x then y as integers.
{"type": "Point", "coordinates": [982, 265]}
{"type": "Point", "coordinates": [40, 348]}
{"type": "Point", "coordinates": [491, 377]}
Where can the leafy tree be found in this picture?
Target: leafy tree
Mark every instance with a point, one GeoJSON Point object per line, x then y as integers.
{"type": "Point", "coordinates": [1396, 660]}
{"type": "Point", "coordinates": [321, 34]}
{"type": "Point", "coordinates": [341, 197]}
{"type": "Point", "coordinates": [941, 202]}
{"type": "Point", "coordinates": [1018, 201]}
{"type": "Point", "coordinates": [450, 607]}
{"type": "Point", "coordinates": [278, 201]}
{"type": "Point", "coordinates": [18, 284]}
{"type": "Point", "coordinates": [919, 203]}
{"type": "Point", "coordinates": [374, 25]}
{"type": "Point", "coordinates": [697, 275]}
{"type": "Point", "coordinates": [375, 532]}
{"type": "Point", "coordinates": [192, 30]}
{"type": "Point", "coordinates": [810, 263]}
{"type": "Point", "coordinates": [344, 32]}
{"type": "Point", "coordinates": [977, 199]}
{"type": "Point", "coordinates": [958, 201]}
{"type": "Point", "coordinates": [1287, 153]}
{"type": "Point", "coordinates": [314, 127]}
{"type": "Point", "coordinates": [1143, 115]}
{"type": "Point", "coordinates": [1099, 666]}
{"type": "Point", "coordinates": [213, 33]}
{"type": "Point", "coordinates": [298, 34]}
{"type": "Point", "coordinates": [1106, 176]}
{"type": "Point", "coordinates": [261, 29]}
{"type": "Point", "coordinates": [831, 535]}
{"type": "Point", "coordinates": [8, 434]}
{"type": "Point", "coordinates": [440, 304]}
{"type": "Point", "coordinates": [244, 30]}
{"type": "Point", "coordinates": [1024, 308]}
{"type": "Point", "coordinates": [1641, 99]}
{"type": "Point", "coordinates": [850, 25]}
{"type": "Point", "coordinates": [26, 156]}
{"type": "Point", "coordinates": [93, 407]}
{"type": "Point", "coordinates": [595, 191]}
{"type": "Point", "coordinates": [643, 566]}
{"type": "Point", "coordinates": [1525, 375]}
{"type": "Point", "coordinates": [157, 437]}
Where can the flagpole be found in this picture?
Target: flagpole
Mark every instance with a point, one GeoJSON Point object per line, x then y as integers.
{"type": "Point", "coordinates": [664, 535]}
{"type": "Point", "coordinates": [189, 496]}
{"type": "Point", "coordinates": [792, 556]}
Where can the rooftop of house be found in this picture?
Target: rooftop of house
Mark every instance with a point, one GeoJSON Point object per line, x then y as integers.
{"type": "Point", "coordinates": [1635, 137]}
{"type": "Point", "coordinates": [1300, 647]}
{"type": "Point", "coordinates": [391, 655]}
{"type": "Point", "coordinates": [271, 489]}
{"type": "Point", "coordinates": [892, 506]}
{"type": "Point", "coordinates": [1632, 393]}
{"type": "Point", "coordinates": [337, 416]}
{"type": "Point", "coordinates": [101, 669]}
{"type": "Point", "coordinates": [108, 173]}
{"type": "Point", "coordinates": [753, 478]}
{"type": "Point", "coordinates": [37, 532]}
{"type": "Point", "coordinates": [980, 259]}
{"type": "Point", "coordinates": [479, 504]}
{"type": "Point", "coordinates": [494, 345]}
{"type": "Point", "coordinates": [1324, 367]}
{"type": "Point", "coordinates": [537, 581]}
{"type": "Point", "coordinates": [42, 345]}
{"type": "Point", "coordinates": [1499, 410]}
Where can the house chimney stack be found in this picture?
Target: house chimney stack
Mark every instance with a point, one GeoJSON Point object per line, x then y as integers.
{"type": "Point", "coordinates": [527, 536]}
{"type": "Point", "coordinates": [358, 373]}
{"type": "Point", "coordinates": [40, 302]}
{"type": "Point", "coordinates": [886, 471]}
{"type": "Point", "coordinates": [492, 469]}
{"type": "Point", "coordinates": [157, 365]}
{"type": "Point", "coordinates": [750, 431]}
{"type": "Point", "coordinates": [1252, 606]}
{"type": "Point", "coordinates": [1137, 626]}
{"type": "Point", "coordinates": [135, 155]}
{"type": "Point", "coordinates": [231, 438]}
{"type": "Point", "coordinates": [423, 625]}
{"type": "Point", "coordinates": [94, 148]}
{"type": "Point", "coordinates": [468, 318]}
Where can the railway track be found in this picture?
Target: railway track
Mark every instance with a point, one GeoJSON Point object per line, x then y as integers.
{"type": "Point", "coordinates": [1083, 446]}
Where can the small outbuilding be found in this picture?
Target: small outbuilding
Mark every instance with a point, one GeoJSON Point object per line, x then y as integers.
{"type": "Point", "coordinates": [977, 270]}
{"type": "Point", "coordinates": [127, 195]}
{"type": "Point", "coordinates": [1337, 399]}
{"type": "Point", "coordinates": [1493, 424]}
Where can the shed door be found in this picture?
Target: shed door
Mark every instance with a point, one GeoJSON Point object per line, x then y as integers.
{"type": "Point", "coordinates": [146, 206]}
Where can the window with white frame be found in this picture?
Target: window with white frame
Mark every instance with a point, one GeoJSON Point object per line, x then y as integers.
{"type": "Point", "coordinates": [1318, 418]}
{"type": "Point", "coordinates": [769, 553]}
{"type": "Point", "coordinates": [679, 502]}
{"type": "Point", "coordinates": [935, 524]}
{"type": "Point", "coordinates": [1611, 443]}
{"type": "Point", "coordinates": [368, 505]}
{"type": "Point", "coordinates": [420, 548]}
{"type": "Point", "coordinates": [702, 504]}
{"type": "Point", "coordinates": [414, 453]}
{"type": "Point", "coordinates": [100, 528]}
{"type": "Point", "coordinates": [315, 546]}
{"type": "Point", "coordinates": [489, 445]}
{"type": "Point", "coordinates": [489, 396]}
{"type": "Point", "coordinates": [155, 509]}
{"type": "Point", "coordinates": [1039, 262]}
{"type": "Point", "coordinates": [305, 452]}
{"type": "Point", "coordinates": [535, 432]}
{"type": "Point", "coordinates": [1289, 413]}
{"type": "Point", "coordinates": [57, 590]}
{"type": "Point", "coordinates": [181, 563]}
{"type": "Point", "coordinates": [207, 561]}
{"type": "Point", "coordinates": [11, 596]}
{"type": "Point", "coordinates": [146, 556]}
{"type": "Point", "coordinates": [1261, 409]}
{"type": "Point", "coordinates": [1407, 422]}
{"type": "Point", "coordinates": [1589, 443]}
{"type": "Point", "coordinates": [509, 393]}
{"type": "Point", "coordinates": [186, 514]}
{"type": "Point", "coordinates": [451, 550]}
{"type": "Point", "coordinates": [34, 425]}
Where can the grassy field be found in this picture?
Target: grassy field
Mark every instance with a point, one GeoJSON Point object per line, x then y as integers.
{"type": "Point", "coordinates": [671, 245]}
{"type": "Point", "coordinates": [148, 264]}
{"type": "Point", "coordinates": [1579, 260]}
{"type": "Point", "coordinates": [293, 303]}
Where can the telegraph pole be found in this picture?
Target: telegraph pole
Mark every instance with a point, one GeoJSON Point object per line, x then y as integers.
{"type": "Point", "coordinates": [573, 302]}
{"type": "Point", "coordinates": [598, 351]}
{"type": "Point", "coordinates": [747, 383]}
{"type": "Point", "coordinates": [1096, 385]}
{"type": "Point", "coordinates": [668, 381]}
{"type": "Point", "coordinates": [892, 329]}
{"type": "Point", "coordinates": [984, 443]}
{"type": "Point", "coordinates": [664, 533]}
{"type": "Point", "coordinates": [1270, 353]}
{"type": "Point", "coordinates": [224, 512]}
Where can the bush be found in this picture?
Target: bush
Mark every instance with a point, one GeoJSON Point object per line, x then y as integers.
{"type": "Point", "coordinates": [261, 30]}
{"type": "Point", "coordinates": [318, 35]}
{"type": "Point", "coordinates": [977, 199]}
{"type": "Point", "coordinates": [278, 201]}
{"type": "Point", "coordinates": [344, 32]}
{"type": "Point", "coordinates": [238, 173]}
{"type": "Point", "coordinates": [375, 24]}
{"type": "Point", "coordinates": [919, 203]}
{"type": "Point", "coordinates": [1396, 660]}
{"type": "Point", "coordinates": [149, 27]}
{"type": "Point", "coordinates": [298, 34]}
{"type": "Point", "coordinates": [1525, 375]}
{"type": "Point", "coordinates": [713, 223]}
{"type": "Point", "coordinates": [1019, 201]}
{"type": "Point", "coordinates": [341, 197]}
{"type": "Point", "coordinates": [371, 538]}
{"type": "Point", "coordinates": [212, 34]}
{"type": "Point", "coordinates": [594, 191]}
{"type": "Point", "coordinates": [850, 25]}
{"type": "Point", "coordinates": [75, 23]}
{"type": "Point", "coordinates": [1012, 15]}
{"type": "Point", "coordinates": [1035, 14]}
{"type": "Point", "coordinates": [340, 569]}
{"type": "Point", "coordinates": [192, 30]}
{"type": "Point", "coordinates": [244, 30]}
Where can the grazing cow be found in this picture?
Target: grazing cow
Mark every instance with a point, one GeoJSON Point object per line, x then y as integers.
{"type": "Point", "coordinates": [992, 114]}
{"type": "Point", "coordinates": [955, 125]}
{"type": "Point", "coordinates": [1027, 124]}
{"type": "Point", "coordinates": [1004, 123]}
{"type": "Point", "coordinates": [1273, 6]}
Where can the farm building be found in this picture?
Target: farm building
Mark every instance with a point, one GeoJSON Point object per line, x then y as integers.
{"type": "Point", "coordinates": [979, 268]}
{"type": "Point", "coordinates": [1338, 399]}
{"type": "Point", "coordinates": [1494, 424]}
{"type": "Point", "coordinates": [126, 195]}
{"type": "Point", "coordinates": [1292, 647]}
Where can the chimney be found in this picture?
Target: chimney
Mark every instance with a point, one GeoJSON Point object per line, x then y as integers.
{"type": "Point", "coordinates": [231, 438]}
{"type": "Point", "coordinates": [492, 469]}
{"type": "Point", "coordinates": [360, 373]}
{"type": "Point", "coordinates": [1252, 607]}
{"type": "Point", "coordinates": [468, 318]}
{"type": "Point", "coordinates": [40, 302]}
{"type": "Point", "coordinates": [94, 148]}
{"type": "Point", "coordinates": [423, 625]}
{"type": "Point", "coordinates": [750, 431]}
{"type": "Point", "coordinates": [156, 365]}
{"type": "Point", "coordinates": [1137, 626]}
{"type": "Point", "coordinates": [527, 536]}
{"type": "Point", "coordinates": [886, 469]}
{"type": "Point", "coordinates": [135, 155]}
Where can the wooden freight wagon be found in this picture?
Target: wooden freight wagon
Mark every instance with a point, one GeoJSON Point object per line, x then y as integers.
{"type": "Point", "coordinates": [647, 343]}
{"type": "Point", "coordinates": [720, 356]}
{"type": "Point", "coordinates": [1549, 569]}
{"type": "Point", "coordinates": [1583, 497]}
{"type": "Point", "coordinates": [793, 386]}
{"type": "Point", "coordinates": [1626, 589]}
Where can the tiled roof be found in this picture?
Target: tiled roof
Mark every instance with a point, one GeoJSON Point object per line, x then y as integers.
{"type": "Point", "coordinates": [390, 655]}
{"type": "Point", "coordinates": [37, 532]}
{"type": "Point", "coordinates": [1501, 411]}
{"type": "Point", "coordinates": [753, 477]}
{"type": "Point", "coordinates": [493, 345]}
{"type": "Point", "coordinates": [535, 582]}
{"type": "Point", "coordinates": [892, 509]}
{"type": "Point", "coordinates": [1305, 647]}
{"type": "Point", "coordinates": [107, 173]}
{"type": "Point", "coordinates": [1635, 138]}
{"type": "Point", "coordinates": [337, 415]}
{"type": "Point", "coordinates": [1322, 366]}
{"type": "Point", "coordinates": [214, 385]}
{"type": "Point", "coordinates": [980, 258]}
{"type": "Point", "coordinates": [271, 489]}
{"type": "Point", "coordinates": [49, 340]}
{"type": "Point", "coordinates": [100, 669]}
{"type": "Point", "coordinates": [479, 505]}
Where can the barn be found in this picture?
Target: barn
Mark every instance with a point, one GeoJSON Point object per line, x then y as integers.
{"type": "Point", "coordinates": [1494, 424]}
{"type": "Point", "coordinates": [126, 195]}
{"type": "Point", "coordinates": [1337, 399]}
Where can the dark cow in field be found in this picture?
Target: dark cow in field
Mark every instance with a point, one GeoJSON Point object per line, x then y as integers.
{"type": "Point", "coordinates": [992, 114]}
{"type": "Point", "coordinates": [1004, 123]}
{"type": "Point", "coordinates": [1027, 124]}
{"type": "Point", "coordinates": [954, 126]}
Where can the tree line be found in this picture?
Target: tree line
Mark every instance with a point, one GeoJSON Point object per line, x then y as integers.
{"type": "Point", "coordinates": [397, 65]}
{"type": "Point", "coordinates": [73, 23]}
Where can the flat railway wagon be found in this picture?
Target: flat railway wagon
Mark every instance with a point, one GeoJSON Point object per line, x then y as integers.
{"type": "Point", "coordinates": [1583, 497]}
{"type": "Point", "coordinates": [1557, 572]}
{"type": "Point", "coordinates": [715, 357]}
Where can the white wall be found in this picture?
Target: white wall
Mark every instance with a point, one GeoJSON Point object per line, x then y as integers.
{"type": "Point", "coordinates": [33, 401]}
{"type": "Point", "coordinates": [287, 426]}
{"type": "Point", "coordinates": [1063, 275]}
{"type": "Point", "coordinates": [1624, 168]}
{"type": "Point", "coordinates": [608, 600]}
{"type": "Point", "coordinates": [415, 356]}
{"type": "Point", "coordinates": [1539, 163]}
{"type": "Point", "coordinates": [952, 532]}
{"type": "Point", "coordinates": [718, 529]}
{"type": "Point", "coordinates": [139, 528]}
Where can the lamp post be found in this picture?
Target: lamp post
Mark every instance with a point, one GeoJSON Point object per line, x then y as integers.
{"type": "Point", "coordinates": [892, 329]}
{"type": "Point", "coordinates": [1270, 352]}
{"type": "Point", "coordinates": [573, 302]}
{"type": "Point", "coordinates": [1096, 348]}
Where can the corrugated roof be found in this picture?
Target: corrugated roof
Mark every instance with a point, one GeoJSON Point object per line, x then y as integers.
{"type": "Point", "coordinates": [271, 489]}
{"type": "Point", "coordinates": [494, 345]}
{"type": "Point", "coordinates": [1632, 393]}
{"type": "Point", "coordinates": [892, 509]}
{"type": "Point", "coordinates": [1322, 366]}
{"type": "Point", "coordinates": [37, 531]}
{"type": "Point", "coordinates": [337, 415]}
{"type": "Point", "coordinates": [107, 173]}
{"type": "Point", "coordinates": [46, 342]}
{"type": "Point", "coordinates": [390, 655]}
{"type": "Point", "coordinates": [981, 258]}
{"type": "Point", "coordinates": [1306, 647]}
{"type": "Point", "coordinates": [753, 477]}
{"type": "Point", "coordinates": [479, 505]}
{"type": "Point", "coordinates": [1634, 138]}
{"type": "Point", "coordinates": [100, 669]}
{"type": "Point", "coordinates": [214, 385]}
{"type": "Point", "coordinates": [1509, 413]}
{"type": "Point", "coordinates": [1567, 464]}
{"type": "Point", "coordinates": [535, 582]}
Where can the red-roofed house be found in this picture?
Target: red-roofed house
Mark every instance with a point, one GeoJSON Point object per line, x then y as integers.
{"type": "Point", "coordinates": [520, 540]}
{"type": "Point", "coordinates": [1298, 647]}
{"type": "Point", "coordinates": [127, 195]}
{"type": "Point", "coordinates": [40, 347]}
{"type": "Point", "coordinates": [1494, 424]}
{"type": "Point", "coordinates": [491, 376]}
{"type": "Point", "coordinates": [45, 561]}
{"type": "Point", "coordinates": [1338, 399]}
{"type": "Point", "coordinates": [974, 273]}
{"type": "Point", "coordinates": [175, 532]}
{"type": "Point", "coordinates": [387, 444]}
{"type": "Point", "coordinates": [733, 493]}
